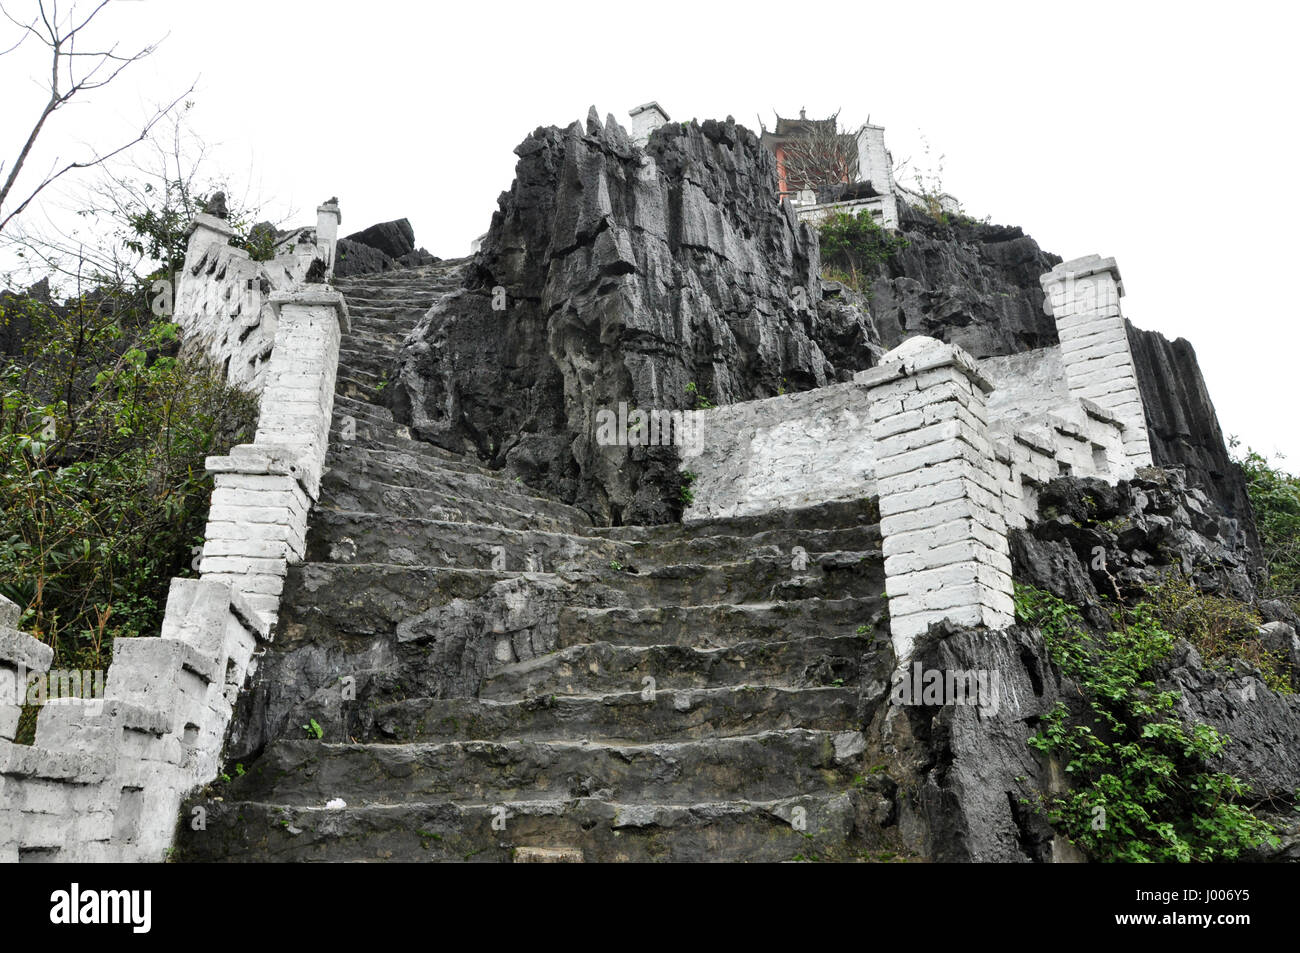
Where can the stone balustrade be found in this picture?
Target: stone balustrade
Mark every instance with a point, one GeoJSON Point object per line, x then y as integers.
{"type": "Point", "coordinates": [225, 302]}
{"type": "Point", "coordinates": [106, 776]}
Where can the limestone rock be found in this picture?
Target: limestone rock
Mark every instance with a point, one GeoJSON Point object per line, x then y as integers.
{"type": "Point", "coordinates": [381, 247]}
{"type": "Point", "coordinates": [394, 238]}
{"type": "Point", "coordinates": [1184, 428]}
{"type": "Point", "coordinates": [621, 274]}
{"type": "Point", "coordinates": [965, 283]}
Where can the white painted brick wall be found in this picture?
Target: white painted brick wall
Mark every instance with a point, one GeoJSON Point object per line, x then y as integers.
{"type": "Point", "coordinates": [223, 300]}
{"type": "Point", "coordinates": [1083, 297]}
{"type": "Point", "coordinates": [941, 494]}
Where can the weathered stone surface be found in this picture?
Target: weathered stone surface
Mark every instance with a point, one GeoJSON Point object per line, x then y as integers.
{"type": "Point", "coordinates": [624, 275]}
{"type": "Point", "coordinates": [1183, 426]}
{"type": "Point", "coordinates": [354, 258]}
{"type": "Point", "coordinates": [974, 769]}
{"type": "Point", "coordinates": [632, 693]}
{"type": "Point", "coordinates": [379, 248]}
{"type": "Point", "coordinates": [393, 239]}
{"type": "Point", "coordinates": [969, 284]}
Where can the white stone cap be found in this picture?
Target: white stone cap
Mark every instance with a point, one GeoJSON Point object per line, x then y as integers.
{"type": "Point", "coordinates": [249, 617]}
{"type": "Point", "coordinates": [313, 296]}
{"type": "Point", "coordinates": [1036, 438]}
{"type": "Point", "coordinates": [79, 767]}
{"type": "Point", "coordinates": [9, 613]}
{"type": "Point", "coordinates": [1082, 268]}
{"type": "Point", "coordinates": [330, 208]}
{"type": "Point", "coordinates": [1066, 427]}
{"type": "Point", "coordinates": [637, 110]}
{"type": "Point", "coordinates": [211, 223]}
{"type": "Point", "coordinates": [919, 354]}
{"type": "Point", "coordinates": [19, 648]}
{"type": "Point", "coordinates": [260, 459]}
{"type": "Point", "coordinates": [1097, 412]}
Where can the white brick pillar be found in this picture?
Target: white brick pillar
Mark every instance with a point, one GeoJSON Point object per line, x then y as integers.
{"type": "Point", "coordinates": [257, 524]}
{"type": "Point", "coordinates": [1083, 297]}
{"type": "Point", "coordinates": [298, 398]}
{"type": "Point", "coordinates": [328, 218]}
{"type": "Point", "coordinates": [945, 537]}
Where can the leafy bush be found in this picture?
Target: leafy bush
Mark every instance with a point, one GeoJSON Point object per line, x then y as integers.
{"type": "Point", "coordinates": [1275, 498]}
{"type": "Point", "coordinates": [103, 492]}
{"type": "Point", "coordinates": [699, 401]}
{"type": "Point", "coordinates": [1141, 786]}
{"type": "Point", "coordinates": [1221, 629]}
{"type": "Point", "coordinates": [853, 247]}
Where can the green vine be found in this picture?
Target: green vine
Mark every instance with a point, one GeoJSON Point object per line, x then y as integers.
{"type": "Point", "coordinates": [1142, 788]}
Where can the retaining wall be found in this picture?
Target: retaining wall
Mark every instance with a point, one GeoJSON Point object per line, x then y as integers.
{"type": "Point", "coordinates": [785, 452]}
{"type": "Point", "coordinates": [955, 449]}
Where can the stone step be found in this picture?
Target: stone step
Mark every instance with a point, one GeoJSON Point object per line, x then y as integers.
{"type": "Point", "coordinates": [368, 349]}
{"type": "Point", "coordinates": [838, 515]}
{"type": "Point", "coordinates": [619, 716]}
{"type": "Point", "coordinates": [841, 826]}
{"type": "Point", "coordinates": [714, 544]}
{"type": "Point", "coordinates": [601, 668]}
{"type": "Point", "coordinates": [363, 359]}
{"type": "Point", "coordinates": [360, 377]}
{"type": "Point", "coordinates": [349, 489]}
{"type": "Point", "coordinates": [457, 482]}
{"type": "Point", "coordinates": [362, 409]}
{"type": "Point", "coordinates": [443, 266]}
{"type": "Point", "coordinates": [367, 304]}
{"type": "Point", "coordinates": [395, 297]}
{"type": "Point", "coordinates": [359, 385]}
{"type": "Point", "coordinates": [375, 434]}
{"type": "Point", "coordinates": [717, 626]}
{"type": "Point", "coordinates": [357, 597]}
{"type": "Point", "coordinates": [339, 600]}
{"type": "Point", "coordinates": [760, 578]}
{"type": "Point", "coordinates": [372, 538]}
{"type": "Point", "coordinates": [354, 441]}
{"type": "Point", "coordinates": [382, 341]}
{"type": "Point", "coordinates": [366, 321]}
{"type": "Point", "coordinates": [378, 449]}
{"type": "Point", "coordinates": [770, 765]}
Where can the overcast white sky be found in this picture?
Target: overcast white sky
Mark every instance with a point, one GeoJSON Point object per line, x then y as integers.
{"type": "Point", "coordinates": [1162, 134]}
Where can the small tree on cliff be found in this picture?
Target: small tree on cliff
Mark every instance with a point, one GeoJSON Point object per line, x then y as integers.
{"type": "Point", "coordinates": [820, 156]}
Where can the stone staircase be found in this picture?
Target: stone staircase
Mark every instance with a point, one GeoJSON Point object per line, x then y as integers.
{"type": "Point", "coordinates": [531, 687]}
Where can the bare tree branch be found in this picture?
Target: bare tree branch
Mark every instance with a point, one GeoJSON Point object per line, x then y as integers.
{"type": "Point", "coordinates": [66, 80]}
{"type": "Point", "coordinates": [820, 155]}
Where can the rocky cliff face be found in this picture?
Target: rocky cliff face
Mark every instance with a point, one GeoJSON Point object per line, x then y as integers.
{"type": "Point", "coordinates": [970, 284]}
{"type": "Point", "coordinates": [974, 776]}
{"type": "Point", "coordinates": [624, 275]}
{"type": "Point", "coordinates": [381, 247]}
{"type": "Point", "coordinates": [1183, 426]}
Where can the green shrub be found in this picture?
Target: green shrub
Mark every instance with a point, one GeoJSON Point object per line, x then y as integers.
{"type": "Point", "coordinates": [1141, 788]}
{"type": "Point", "coordinates": [103, 492]}
{"type": "Point", "coordinates": [1221, 628]}
{"type": "Point", "coordinates": [1275, 498]}
{"type": "Point", "coordinates": [853, 247]}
